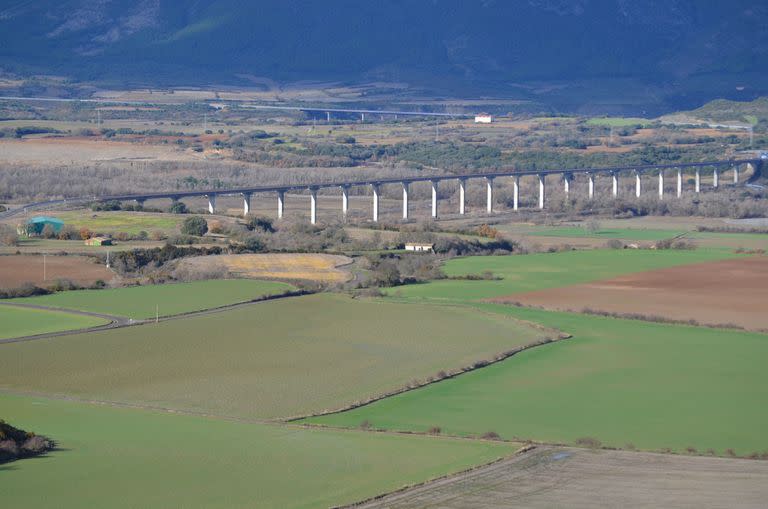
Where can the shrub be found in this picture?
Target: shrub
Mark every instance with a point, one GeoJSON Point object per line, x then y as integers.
{"type": "Point", "coordinates": [487, 231]}
{"type": "Point", "coordinates": [590, 442]}
{"type": "Point", "coordinates": [48, 232]}
{"type": "Point", "coordinates": [195, 225]}
{"type": "Point", "coordinates": [614, 244]}
{"type": "Point", "coordinates": [215, 227]}
{"type": "Point", "coordinates": [8, 237]}
{"type": "Point", "coordinates": [178, 207]}
{"type": "Point", "coordinates": [254, 244]}
{"type": "Point", "coordinates": [592, 227]}
{"type": "Point", "coordinates": [490, 435]}
{"type": "Point", "coordinates": [260, 223]}
{"type": "Point", "coordinates": [157, 235]}
{"type": "Point", "coordinates": [435, 430]}
{"type": "Point", "coordinates": [85, 233]}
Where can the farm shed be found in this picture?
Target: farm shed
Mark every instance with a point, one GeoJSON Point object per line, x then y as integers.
{"type": "Point", "coordinates": [483, 118]}
{"type": "Point", "coordinates": [419, 247]}
{"type": "Point", "coordinates": [35, 226]}
{"type": "Point", "coordinates": [98, 241]}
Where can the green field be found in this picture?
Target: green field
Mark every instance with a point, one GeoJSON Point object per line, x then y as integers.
{"type": "Point", "coordinates": [619, 381]}
{"type": "Point", "coordinates": [126, 458]}
{"type": "Point", "coordinates": [642, 234]}
{"type": "Point", "coordinates": [17, 321]}
{"type": "Point", "coordinates": [619, 121]}
{"type": "Point", "coordinates": [273, 359]}
{"type": "Point", "coordinates": [548, 270]}
{"type": "Point", "coordinates": [119, 221]}
{"type": "Point", "coordinates": [140, 302]}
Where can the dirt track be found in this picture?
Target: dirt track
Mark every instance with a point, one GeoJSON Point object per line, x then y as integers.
{"type": "Point", "coordinates": [729, 291]}
{"type": "Point", "coordinates": [565, 477]}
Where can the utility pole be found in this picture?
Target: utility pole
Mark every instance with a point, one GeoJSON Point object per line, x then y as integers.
{"type": "Point", "coordinates": [107, 259]}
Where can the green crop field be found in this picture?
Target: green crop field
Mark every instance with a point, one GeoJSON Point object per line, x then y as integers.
{"type": "Point", "coordinates": [619, 381]}
{"type": "Point", "coordinates": [643, 234]}
{"type": "Point", "coordinates": [619, 121]}
{"type": "Point", "coordinates": [17, 321]}
{"type": "Point", "coordinates": [119, 221]}
{"type": "Point", "coordinates": [548, 270]}
{"type": "Point", "coordinates": [273, 359]}
{"type": "Point", "coordinates": [125, 458]}
{"type": "Point", "coordinates": [140, 302]}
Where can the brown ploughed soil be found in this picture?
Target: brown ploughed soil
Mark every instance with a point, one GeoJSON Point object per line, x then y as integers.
{"type": "Point", "coordinates": [580, 478]}
{"type": "Point", "coordinates": [712, 293]}
{"type": "Point", "coordinates": [15, 270]}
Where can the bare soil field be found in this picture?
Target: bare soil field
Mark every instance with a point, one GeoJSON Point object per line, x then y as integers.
{"type": "Point", "coordinates": [728, 291]}
{"type": "Point", "coordinates": [309, 267]}
{"type": "Point", "coordinates": [566, 477]}
{"type": "Point", "coordinates": [15, 270]}
{"type": "Point", "coordinates": [68, 150]}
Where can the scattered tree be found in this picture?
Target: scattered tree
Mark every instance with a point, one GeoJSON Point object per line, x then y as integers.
{"type": "Point", "coordinates": [194, 225]}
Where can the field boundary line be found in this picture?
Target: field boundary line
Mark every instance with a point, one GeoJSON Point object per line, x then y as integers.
{"type": "Point", "coordinates": [119, 322]}
{"type": "Point", "coordinates": [447, 477]}
{"type": "Point", "coordinates": [447, 374]}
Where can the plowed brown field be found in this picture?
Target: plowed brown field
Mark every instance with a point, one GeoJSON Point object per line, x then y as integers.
{"type": "Point", "coordinates": [728, 291]}
{"type": "Point", "coordinates": [15, 270]}
{"type": "Point", "coordinates": [565, 477]}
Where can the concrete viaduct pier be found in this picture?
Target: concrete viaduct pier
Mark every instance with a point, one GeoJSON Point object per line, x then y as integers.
{"type": "Point", "coordinates": [568, 176]}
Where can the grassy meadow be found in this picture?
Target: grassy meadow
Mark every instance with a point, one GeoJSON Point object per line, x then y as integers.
{"type": "Point", "coordinates": [140, 302]}
{"type": "Point", "coordinates": [619, 121]}
{"type": "Point", "coordinates": [547, 270]}
{"type": "Point", "coordinates": [274, 359]}
{"type": "Point", "coordinates": [126, 458]}
{"type": "Point", "coordinates": [618, 381]}
{"type": "Point", "coordinates": [120, 221]}
{"type": "Point", "coordinates": [18, 321]}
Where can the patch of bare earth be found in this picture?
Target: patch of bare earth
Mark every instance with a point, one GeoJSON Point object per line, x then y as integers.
{"type": "Point", "coordinates": [579, 478]}
{"type": "Point", "coordinates": [712, 293]}
{"type": "Point", "coordinates": [16, 270]}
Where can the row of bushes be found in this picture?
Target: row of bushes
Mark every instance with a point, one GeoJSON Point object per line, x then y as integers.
{"type": "Point", "coordinates": [58, 285]}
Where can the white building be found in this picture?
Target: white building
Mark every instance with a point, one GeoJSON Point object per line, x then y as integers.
{"type": "Point", "coordinates": [419, 247]}
{"type": "Point", "coordinates": [483, 118]}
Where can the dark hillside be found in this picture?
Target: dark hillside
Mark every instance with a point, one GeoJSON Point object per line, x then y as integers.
{"type": "Point", "coordinates": [670, 54]}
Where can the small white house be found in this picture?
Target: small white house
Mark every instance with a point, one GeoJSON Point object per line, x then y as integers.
{"type": "Point", "coordinates": [483, 118]}
{"type": "Point", "coordinates": [419, 247]}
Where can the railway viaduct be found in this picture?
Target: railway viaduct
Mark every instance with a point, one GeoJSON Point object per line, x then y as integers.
{"type": "Point", "coordinates": [565, 176]}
